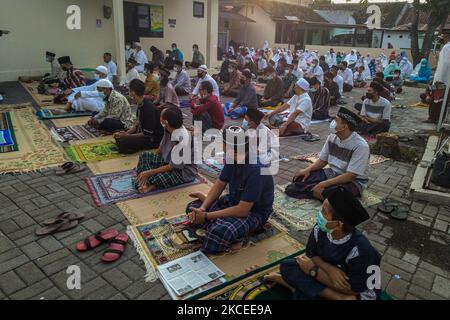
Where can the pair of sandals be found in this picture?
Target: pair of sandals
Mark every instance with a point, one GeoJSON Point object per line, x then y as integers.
{"type": "Point", "coordinates": [116, 244]}
{"type": "Point", "coordinates": [309, 137]}
{"type": "Point", "coordinates": [69, 168]}
{"type": "Point", "coordinates": [63, 222]}
{"type": "Point", "coordinates": [395, 210]}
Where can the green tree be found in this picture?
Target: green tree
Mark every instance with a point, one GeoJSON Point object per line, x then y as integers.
{"type": "Point", "coordinates": [437, 11]}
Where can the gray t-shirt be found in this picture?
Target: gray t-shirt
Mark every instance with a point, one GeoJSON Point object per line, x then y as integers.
{"type": "Point", "coordinates": [350, 155]}
{"type": "Point", "coordinates": [380, 110]}
{"type": "Point", "coordinates": [174, 153]}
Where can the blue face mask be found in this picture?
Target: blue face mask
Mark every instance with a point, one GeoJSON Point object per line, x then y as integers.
{"type": "Point", "coordinates": [312, 90]}
{"type": "Point", "coordinates": [158, 77]}
{"type": "Point", "coordinates": [96, 77]}
{"type": "Point", "coordinates": [245, 124]}
{"type": "Point", "coordinates": [102, 94]}
{"type": "Point", "coordinates": [322, 222]}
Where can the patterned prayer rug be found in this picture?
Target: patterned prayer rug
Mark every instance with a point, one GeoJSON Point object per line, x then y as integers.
{"type": "Point", "coordinates": [47, 114]}
{"type": "Point", "coordinates": [312, 157]}
{"type": "Point", "coordinates": [8, 142]}
{"type": "Point", "coordinates": [119, 186]}
{"type": "Point", "coordinates": [95, 151]}
{"type": "Point", "coordinates": [168, 239]}
{"type": "Point", "coordinates": [74, 133]}
{"type": "Point", "coordinates": [300, 214]}
{"type": "Point", "coordinates": [37, 149]}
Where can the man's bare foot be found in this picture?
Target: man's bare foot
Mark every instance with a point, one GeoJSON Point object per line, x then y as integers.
{"type": "Point", "coordinates": [274, 277]}
{"type": "Point", "coordinates": [198, 195]}
{"type": "Point", "coordinates": [235, 247]}
{"type": "Point", "coordinates": [146, 189]}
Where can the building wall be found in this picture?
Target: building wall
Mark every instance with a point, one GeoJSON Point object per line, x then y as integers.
{"type": "Point", "coordinates": [40, 25]}
{"type": "Point", "coordinates": [188, 29]}
{"type": "Point", "coordinates": [254, 34]}
{"type": "Point", "coordinates": [399, 39]}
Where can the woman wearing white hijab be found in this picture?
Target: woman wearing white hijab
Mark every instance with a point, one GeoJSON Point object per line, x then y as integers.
{"type": "Point", "coordinates": [331, 58]}
{"type": "Point", "coordinates": [351, 58]}
{"type": "Point", "coordinates": [406, 67]}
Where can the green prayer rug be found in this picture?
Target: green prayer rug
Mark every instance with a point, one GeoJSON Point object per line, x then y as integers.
{"type": "Point", "coordinates": [8, 142]}
{"type": "Point", "coordinates": [92, 152]}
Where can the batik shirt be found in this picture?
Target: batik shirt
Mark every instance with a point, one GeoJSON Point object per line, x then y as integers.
{"type": "Point", "coordinates": [74, 78]}
{"type": "Point", "coordinates": [117, 107]}
{"type": "Point", "coordinates": [353, 254]}
{"type": "Point", "coordinates": [349, 155]}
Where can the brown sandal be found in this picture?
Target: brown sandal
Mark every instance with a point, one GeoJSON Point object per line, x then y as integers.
{"type": "Point", "coordinates": [65, 215]}
{"type": "Point", "coordinates": [59, 225]}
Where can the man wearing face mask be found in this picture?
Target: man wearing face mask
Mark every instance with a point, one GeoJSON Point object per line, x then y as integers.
{"type": "Point", "coordinates": [320, 97]}
{"type": "Point", "coordinates": [347, 75]}
{"type": "Point", "coordinates": [347, 155]}
{"type": "Point", "coordinates": [316, 71]}
{"type": "Point", "coordinates": [140, 57]}
{"type": "Point", "coordinates": [224, 74]}
{"type": "Point", "coordinates": [182, 82]}
{"type": "Point", "coordinates": [56, 74]}
{"type": "Point", "coordinates": [87, 98]}
{"type": "Point", "coordinates": [289, 80]}
{"type": "Point", "coordinates": [132, 72]}
{"type": "Point", "coordinates": [231, 88]}
{"type": "Point", "coordinates": [111, 66]}
{"type": "Point", "coordinates": [147, 132]}
{"type": "Point", "coordinates": [246, 98]}
{"type": "Point", "coordinates": [208, 108]}
{"type": "Point", "coordinates": [202, 74]}
{"type": "Point", "coordinates": [338, 256]}
{"type": "Point", "coordinates": [197, 58]}
{"type": "Point", "coordinates": [177, 53]}
{"type": "Point", "coordinates": [273, 92]}
{"type": "Point", "coordinates": [300, 112]}
{"type": "Point", "coordinates": [375, 112]}
{"type": "Point", "coordinates": [117, 114]}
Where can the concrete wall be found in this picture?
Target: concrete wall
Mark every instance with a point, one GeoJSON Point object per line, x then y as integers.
{"type": "Point", "coordinates": [188, 30]}
{"type": "Point", "coordinates": [399, 39]}
{"type": "Point", "coordinates": [40, 25]}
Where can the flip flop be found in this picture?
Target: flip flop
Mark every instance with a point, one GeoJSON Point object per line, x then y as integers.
{"type": "Point", "coordinates": [70, 167]}
{"type": "Point", "coordinates": [96, 240]}
{"type": "Point", "coordinates": [405, 139]}
{"type": "Point", "coordinates": [65, 215]}
{"type": "Point", "coordinates": [311, 137]}
{"type": "Point", "coordinates": [400, 213]}
{"type": "Point", "coordinates": [60, 225]}
{"type": "Point", "coordinates": [115, 249]}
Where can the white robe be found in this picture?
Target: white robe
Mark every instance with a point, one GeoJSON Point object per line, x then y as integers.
{"type": "Point", "coordinates": [331, 59]}
{"type": "Point", "coordinates": [141, 59]}
{"type": "Point", "coordinates": [442, 73]}
{"type": "Point", "coordinates": [90, 99]}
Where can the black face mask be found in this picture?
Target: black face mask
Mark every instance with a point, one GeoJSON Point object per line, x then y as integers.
{"type": "Point", "coordinates": [369, 96]}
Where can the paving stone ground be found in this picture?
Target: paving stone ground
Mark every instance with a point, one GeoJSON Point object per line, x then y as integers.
{"type": "Point", "coordinates": [415, 263]}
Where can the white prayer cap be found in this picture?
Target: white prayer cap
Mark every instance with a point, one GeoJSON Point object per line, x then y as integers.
{"type": "Point", "coordinates": [302, 83]}
{"type": "Point", "coordinates": [203, 68]}
{"type": "Point", "coordinates": [104, 83]}
{"type": "Point", "coordinates": [138, 44]}
{"type": "Point", "coordinates": [102, 69]}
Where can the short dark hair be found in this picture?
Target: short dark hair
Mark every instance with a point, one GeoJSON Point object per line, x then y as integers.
{"type": "Point", "coordinates": [195, 46]}
{"type": "Point", "coordinates": [255, 115]}
{"type": "Point", "coordinates": [107, 54]}
{"type": "Point", "coordinates": [150, 66]}
{"type": "Point", "coordinates": [328, 75]}
{"type": "Point", "coordinates": [173, 116]}
{"type": "Point", "coordinates": [379, 75]}
{"type": "Point", "coordinates": [322, 58]}
{"type": "Point", "coordinates": [377, 87]}
{"type": "Point", "coordinates": [397, 71]}
{"type": "Point", "coordinates": [313, 81]}
{"type": "Point", "coordinates": [344, 63]}
{"type": "Point", "coordinates": [138, 87]}
{"type": "Point", "coordinates": [362, 67]}
{"type": "Point", "coordinates": [206, 85]}
{"type": "Point", "coordinates": [247, 73]}
{"type": "Point", "coordinates": [178, 63]}
{"type": "Point", "coordinates": [174, 45]}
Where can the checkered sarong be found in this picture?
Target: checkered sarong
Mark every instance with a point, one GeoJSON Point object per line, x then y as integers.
{"type": "Point", "coordinates": [153, 160]}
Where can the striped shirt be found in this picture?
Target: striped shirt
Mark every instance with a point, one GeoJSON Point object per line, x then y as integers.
{"type": "Point", "coordinates": [74, 78]}
{"type": "Point", "coordinates": [349, 155]}
{"type": "Point", "coordinates": [380, 110]}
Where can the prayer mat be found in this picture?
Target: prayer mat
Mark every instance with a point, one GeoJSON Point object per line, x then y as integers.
{"type": "Point", "coordinates": [420, 105]}
{"type": "Point", "coordinates": [312, 157]}
{"type": "Point", "coordinates": [66, 122]}
{"type": "Point", "coordinates": [168, 239]}
{"type": "Point", "coordinates": [37, 150]}
{"type": "Point", "coordinates": [213, 165]}
{"type": "Point", "coordinates": [300, 214]}
{"type": "Point", "coordinates": [83, 132]}
{"type": "Point", "coordinates": [161, 205]}
{"type": "Point", "coordinates": [42, 100]}
{"type": "Point", "coordinates": [47, 114]}
{"type": "Point", "coordinates": [8, 142]}
{"type": "Point", "coordinates": [119, 186]}
{"type": "Point", "coordinates": [93, 151]}
{"type": "Point", "coordinates": [125, 163]}
{"type": "Point", "coordinates": [271, 108]}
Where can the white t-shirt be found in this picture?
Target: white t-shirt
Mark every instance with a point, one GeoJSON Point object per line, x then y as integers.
{"type": "Point", "coordinates": [262, 64]}
{"type": "Point", "coordinates": [380, 110]}
{"type": "Point", "coordinates": [131, 75]}
{"type": "Point", "coordinates": [442, 73]}
{"type": "Point", "coordinates": [317, 72]}
{"type": "Point", "coordinates": [304, 104]}
{"type": "Point", "coordinates": [216, 90]}
{"type": "Point", "coordinates": [347, 75]}
{"type": "Point", "coordinates": [340, 82]}
{"type": "Point", "coordinates": [112, 70]}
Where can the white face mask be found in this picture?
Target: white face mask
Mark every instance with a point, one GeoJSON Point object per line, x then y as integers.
{"type": "Point", "coordinates": [333, 127]}
{"type": "Point", "coordinates": [127, 47]}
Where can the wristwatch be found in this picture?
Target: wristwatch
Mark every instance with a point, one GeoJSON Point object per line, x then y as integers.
{"type": "Point", "coordinates": [313, 272]}
{"type": "Point", "coordinates": [206, 216]}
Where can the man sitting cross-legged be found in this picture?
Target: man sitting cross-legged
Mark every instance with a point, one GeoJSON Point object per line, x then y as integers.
{"type": "Point", "coordinates": [159, 169]}
{"type": "Point", "coordinates": [87, 98]}
{"type": "Point", "coordinates": [274, 91]}
{"type": "Point", "coordinates": [207, 108]}
{"type": "Point", "coordinates": [346, 153]}
{"type": "Point", "coordinates": [338, 257]}
{"type": "Point", "coordinates": [300, 112]}
{"type": "Point", "coordinates": [375, 111]}
{"type": "Point", "coordinates": [229, 219]}
{"type": "Point", "coordinates": [117, 114]}
{"type": "Point", "coordinates": [147, 132]}
{"type": "Point", "coordinates": [320, 97]}
{"type": "Point", "coordinates": [246, 98]}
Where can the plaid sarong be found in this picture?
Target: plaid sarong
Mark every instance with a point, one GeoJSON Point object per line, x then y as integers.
{"type": "Point", "coordinates": [153, 160]}
{"type": "Point", "coordinates": [224, 232]}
